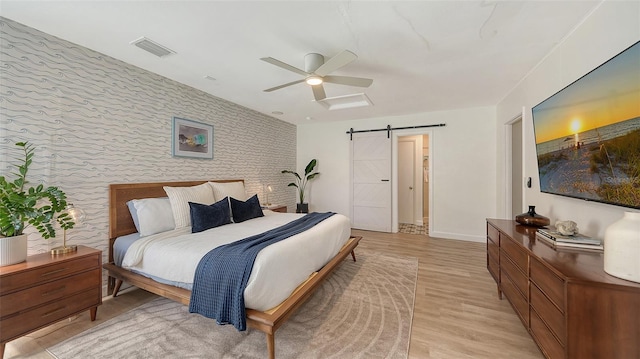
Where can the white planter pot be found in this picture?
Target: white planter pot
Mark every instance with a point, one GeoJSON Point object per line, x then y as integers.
{"type": "Point", "coordinates": [13, 249]}
{"type": "Point", "coordinates": [622, 248]}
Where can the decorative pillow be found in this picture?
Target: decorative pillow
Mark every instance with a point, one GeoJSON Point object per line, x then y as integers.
{"type": "Point", "coordinates": [180, 198]}
{"type": "Point", "coordinates": [151, 215]}
{"type": "Point", "coordinates": [242, 211]}
{"type": "Point", "coordinates": [229, 189]}
{"type": "Point", "coordinates": [205, 217]}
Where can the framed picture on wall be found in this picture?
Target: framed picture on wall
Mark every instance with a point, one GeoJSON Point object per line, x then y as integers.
{"type": "Point", "coordinates": [191, 139]}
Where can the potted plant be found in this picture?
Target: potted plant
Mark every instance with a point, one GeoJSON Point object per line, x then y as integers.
{"type": "Point", "coordinates": [22, 205]}
{"type": "Point", "coordinates": [301, 182]}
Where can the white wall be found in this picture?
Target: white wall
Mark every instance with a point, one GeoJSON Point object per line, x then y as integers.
{"type": "Point", "coordinates": [463, 167]}
{"type": "Point", "coordinates": [611, 28]}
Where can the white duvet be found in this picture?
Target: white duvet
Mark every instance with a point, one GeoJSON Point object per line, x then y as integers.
{"type": "Point", "coordinates": [279, 268]}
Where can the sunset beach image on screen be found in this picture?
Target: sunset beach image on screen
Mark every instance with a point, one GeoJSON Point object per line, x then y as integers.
{"type": "Point", "coordinates": [588, 134]}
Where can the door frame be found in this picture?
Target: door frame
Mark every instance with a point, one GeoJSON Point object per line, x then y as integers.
{"type": "Point", "coordinates": [509, 160]}
{"type": "Point", "coordinates": [394, 172]}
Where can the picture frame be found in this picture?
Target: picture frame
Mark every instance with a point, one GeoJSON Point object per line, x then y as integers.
{"type": "Point", "coordinates": [191, 139]}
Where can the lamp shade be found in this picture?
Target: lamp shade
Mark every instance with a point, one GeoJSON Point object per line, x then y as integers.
{"type": "Point", "coordinates": [76, 214]}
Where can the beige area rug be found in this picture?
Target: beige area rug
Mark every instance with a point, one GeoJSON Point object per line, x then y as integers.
{"type": "Point", "coordinates": [363, 310]}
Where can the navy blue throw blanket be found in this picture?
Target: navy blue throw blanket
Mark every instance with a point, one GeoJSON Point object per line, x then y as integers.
{"type": "Point", "coordinates": [222, 274]}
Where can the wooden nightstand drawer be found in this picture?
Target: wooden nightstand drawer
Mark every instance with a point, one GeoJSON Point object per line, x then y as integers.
{"type": "Point", "coordinates": [45, 289]}
{"type": "Point", "coordinates": [32, 297]}
{"type": "Point", "coordinates": [47, 273]}
{"type": "Point", "coordinates": [17, 325]}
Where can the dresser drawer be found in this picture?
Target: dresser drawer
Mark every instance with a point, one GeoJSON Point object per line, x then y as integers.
{"type": "Point", "coordinates": [494, 269]}
{"type": "Point", "coordinates": [553, 317]}
{"type": "Point", "coordinates": [519, 303]}
{"type": "Point", "coordinates": [26, 322]}
{"type": "Point", "coordinates": [493, 250]}
{"type": "Point", "coordinates": [550, 346]}
{"type": "Point", "coordinates": [548, 282]}
{"type": "Point", "coordinates": [32, 297]}
{"type": "Point", "coordinates": [493, 234]}
{"type": "Point", "coordinates": [47, 273]}
{"type": "Point", "coordinates": [516, 252]}
{"type": "Point", "coordinates": [518, 278]}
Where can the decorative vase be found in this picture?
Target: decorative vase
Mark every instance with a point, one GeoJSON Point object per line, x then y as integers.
{"type": "Point", "coordinates": [13, 250]}
{"type": "Point", "coordinates": [622, 248]}
{"type": "Point", "coordinates": [302, 208]}
{"type": "Point", "coordinates": [531, 218]}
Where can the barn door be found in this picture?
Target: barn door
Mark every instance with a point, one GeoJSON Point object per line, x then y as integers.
{"type": "Point", "coordinates": [371, 181]}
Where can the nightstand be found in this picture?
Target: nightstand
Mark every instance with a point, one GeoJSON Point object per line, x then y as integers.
{"type": "Point", "coordinates": [277, 208]}
{"type": "Point", "coordinates": [46, 289]}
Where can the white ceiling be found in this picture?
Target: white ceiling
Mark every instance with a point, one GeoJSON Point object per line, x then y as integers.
{"type": "Point", "coordinates": [422, 55]}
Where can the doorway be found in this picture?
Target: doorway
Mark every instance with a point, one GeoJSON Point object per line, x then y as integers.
{"type": "Point", "coordinates": [515, 175]}
{"type": "Point", "coordinates": [412, 184]}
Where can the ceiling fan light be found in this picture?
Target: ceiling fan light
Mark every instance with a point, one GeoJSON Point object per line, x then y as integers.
{"type": "Point", "coordinates": [314, 80]}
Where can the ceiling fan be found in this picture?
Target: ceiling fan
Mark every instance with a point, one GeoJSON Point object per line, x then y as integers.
{"type": "Point", "coordinates": [316, 72]}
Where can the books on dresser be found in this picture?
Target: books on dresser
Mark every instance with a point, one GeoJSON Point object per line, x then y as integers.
{"type": "Point", "coordinates": [580, 241]}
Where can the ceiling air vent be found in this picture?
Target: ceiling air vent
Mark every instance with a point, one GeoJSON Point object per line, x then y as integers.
{"type": "Point", "coordinates": [347, 101]}
{"type": "Point", "coordinates": [152, 47]}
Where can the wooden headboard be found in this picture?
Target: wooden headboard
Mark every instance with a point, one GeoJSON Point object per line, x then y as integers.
{"type": "Point", "coordinates": [120, 221]}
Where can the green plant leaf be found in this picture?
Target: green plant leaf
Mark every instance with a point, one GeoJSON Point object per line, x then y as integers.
{"type": "Point", "coordinates": [310, 167]}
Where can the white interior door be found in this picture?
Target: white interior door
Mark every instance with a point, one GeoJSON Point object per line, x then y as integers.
{"type": "Point", "coordinates": [406, 179]}
{"type": "Point", "coordinates": [371, 181]}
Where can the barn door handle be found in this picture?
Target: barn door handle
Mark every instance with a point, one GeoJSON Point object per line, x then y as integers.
{"type": "Point", "coordinates": [384, 180]}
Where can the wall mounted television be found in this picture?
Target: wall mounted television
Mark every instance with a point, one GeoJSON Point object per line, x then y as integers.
{"type": "Point", "coordinates": [588, 134]}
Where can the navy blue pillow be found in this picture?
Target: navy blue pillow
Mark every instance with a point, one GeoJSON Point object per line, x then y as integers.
{"type": "Point", "coordinates": [243, 211]}
{"type": "Point", "coordinates": [205, 217]}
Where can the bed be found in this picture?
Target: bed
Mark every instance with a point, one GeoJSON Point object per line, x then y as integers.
{"type": "Point", "coordinates": [266, 320]}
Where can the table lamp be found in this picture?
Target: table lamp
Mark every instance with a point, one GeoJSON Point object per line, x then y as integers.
{"type": "Point", "coordinates": [268, 189]}
{"type": "Point", "coordinates": [78, 216]}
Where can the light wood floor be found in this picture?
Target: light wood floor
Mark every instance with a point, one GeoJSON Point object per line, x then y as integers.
{"type": "Point", "coordinates": [457, 312]}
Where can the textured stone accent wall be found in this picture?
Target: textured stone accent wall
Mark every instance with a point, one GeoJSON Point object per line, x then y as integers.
{"type": "Point", "coordinates": [96, 120]}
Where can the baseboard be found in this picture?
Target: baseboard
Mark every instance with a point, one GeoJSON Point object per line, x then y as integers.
{"type": "Point", "coordinates": [457, 236]}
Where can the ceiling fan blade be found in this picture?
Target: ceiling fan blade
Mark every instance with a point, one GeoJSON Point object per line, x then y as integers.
{"type": "Point", "coordinates": [336, 62]}
{"type": "Point", "coordinates": [282, 86]}
{"type": "Point", "coordinates": [281, 64]}
{"type": "Point", "coordinates": [318, 92]}
{"type": "Point", "coordinates": [348, 80]}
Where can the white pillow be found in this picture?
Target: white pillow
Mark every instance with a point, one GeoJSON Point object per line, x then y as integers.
{"type": "Point", "coordinates": [180, 198]}
{"type": "Point", "coordinates": [229, 189]}
{"type": "Point", "coordinates": [152, 215]}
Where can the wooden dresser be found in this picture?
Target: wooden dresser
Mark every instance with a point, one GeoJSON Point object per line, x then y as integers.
{"type": "Point", "coordinates": [569, 305]}
{"type": "Point", "coordinates": [46, 289]}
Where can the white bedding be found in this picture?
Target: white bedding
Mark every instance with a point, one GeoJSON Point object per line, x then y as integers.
{"type": "Point", "coordinates": [279, 268]}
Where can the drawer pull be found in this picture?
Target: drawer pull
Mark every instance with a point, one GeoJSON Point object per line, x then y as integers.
{"type": "Point", "coordinates": [53, 272]}
{"type": "Point", "coordinates": [54, 311]}
{"type": "Point", "coordinates": [54, 291]}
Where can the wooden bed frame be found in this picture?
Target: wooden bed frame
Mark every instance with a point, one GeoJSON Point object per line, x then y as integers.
{"type": "Point", "coordinates": [121, 223]}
